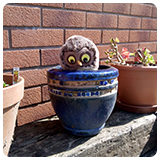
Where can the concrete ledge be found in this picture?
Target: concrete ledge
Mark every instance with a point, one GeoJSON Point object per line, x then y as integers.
{"type": "Point", "coordinates": [125, 134]}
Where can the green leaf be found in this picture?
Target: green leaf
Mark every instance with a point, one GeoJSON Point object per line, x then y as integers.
{"type": "Point", "coordinates": [132, 54]}
{"type": "Point", "coordinates": [107, 61]}
{"type": "Point", "coordinates": [145, 53]}
{"type": "Point", "coordinates": [5, 84]}
{"type": "Point", "coordinates": [111, 40]}
{"type": "Point", "coordinates": [151, 59]}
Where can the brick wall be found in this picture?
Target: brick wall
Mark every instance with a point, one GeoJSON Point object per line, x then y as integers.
{"type": "Point", "coordinates": [34, 32]}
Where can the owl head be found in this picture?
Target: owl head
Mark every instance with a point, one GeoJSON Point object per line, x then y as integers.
{"type": "Point", "coordinates": [79, 53]}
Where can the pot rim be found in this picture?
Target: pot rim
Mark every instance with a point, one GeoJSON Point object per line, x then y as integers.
{"type": "Point", "coordinates": [21, 80]}
{"type": "Point", "coordinates": [136, 108]}
{"type": "Point", "coordinates": [104, 72]}
{"type": "Point", "coordinates": [136, 68]}
{"type": "Point", "coordinates": [18, 89]}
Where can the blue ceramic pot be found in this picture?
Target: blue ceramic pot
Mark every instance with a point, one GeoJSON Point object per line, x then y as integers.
{"type": "Point", "coordinates": [83, 100]}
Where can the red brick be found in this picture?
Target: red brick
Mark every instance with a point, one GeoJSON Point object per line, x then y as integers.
{"type": "Point", "coordinates": [94, 35]}
{"type": "Point", "coordinates": [85, 6]}
{"type": "Point", "coordinates": [95, 20]}
{"type": "Point", "coordinates": [31, 96]}
{"type": "Point", "coordinates": [35, 38]}
{"type": "Point", "coordinates": [59, 18]}
{"type": "Point", "coordinates": [141, 9]}
{"type": "Point", "coordinates": [154, 11]}
{"type": "Point", "coordinates": [152, 46]}
{"type": "Point", "coordinates": [122, 8]}
{"type": "Point", "coordinates": [54, 5]}
{"type": "Point", "coordinates": [34, 77]}
{"type": "Point", "coordinates": [155, 57]}
{"type": "Point", "coordinates": [139, 36]}
{"type": "Point", "coordinates": [45, 93]}
{"type": "Point", "coordinates": [148, 23]}
{"type": "Point", "coordinates": [129, 22]}
{"type": "Point", "coordinates": [122, 35]}
{"type": "Point", "coordinates": [153, 36]}
{"type": "Point", "coordinates": [20, 58]}
{"type": "Point", "coordinates": [102, 49]}
{"type": "Point", "coordinates": [5, 39]}
{"type": "Point", "coordinates": [103, 62]}
{"type": "Point", "coordinates": [31, 114]}
{"type": "Point", "coordinates": [50, 56]}
{"type": "Point", "coordinates": [21, 16]}
{"type": "Point", "coordinates": [130, 46]}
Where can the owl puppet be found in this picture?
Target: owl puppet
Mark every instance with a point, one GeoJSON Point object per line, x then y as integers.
{"type": "Point", "coordinates": [79, 53]}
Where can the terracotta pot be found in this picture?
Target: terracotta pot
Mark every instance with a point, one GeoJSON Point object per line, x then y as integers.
{"type": "Point", "coordinates": [137, 88]}
{"type": "Point", "coordinates": [11, 100]}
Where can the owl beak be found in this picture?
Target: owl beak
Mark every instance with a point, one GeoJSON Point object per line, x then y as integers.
{"type": "Point", "coordinates": [80, 64]}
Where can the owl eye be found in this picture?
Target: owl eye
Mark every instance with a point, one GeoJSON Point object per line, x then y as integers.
{"type": "Point", "coordinates": [85, 58]}
{"type": "Point", "coordinates": [71, 59]}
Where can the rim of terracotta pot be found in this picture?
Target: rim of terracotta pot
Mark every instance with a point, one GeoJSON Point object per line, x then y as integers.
{"type": "Point", "coordinates": [13, 93]}
{"type": "Point", "coordinates": [139, 68]}
{"type": "Point", "coordinates": [136, 109]}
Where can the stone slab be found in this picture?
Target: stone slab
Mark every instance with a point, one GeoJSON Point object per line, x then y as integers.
{"type": "Point", "coordinates": [124, 135]}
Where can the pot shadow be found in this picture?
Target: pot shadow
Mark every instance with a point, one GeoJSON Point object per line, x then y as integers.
{"type": "Point", "coordinates": [43, 138]}
{"type": "Point", "coordinates": [152, 141]}
{"type": "Point", "coordinates": [121, 117]}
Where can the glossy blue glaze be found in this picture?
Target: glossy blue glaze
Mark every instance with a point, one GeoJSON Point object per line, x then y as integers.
{"type": "Point", "coordinates": [83, 109]}
{"type": "Point", "coordinates": [83, 116]}
{"type": "Point", "coordinates": [104, 72]}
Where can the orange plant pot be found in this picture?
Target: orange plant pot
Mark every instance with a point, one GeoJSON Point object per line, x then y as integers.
{"type": "Point", "coordinates": [11, 100]}
{"type": "Point", "coordinates": [137, 88]}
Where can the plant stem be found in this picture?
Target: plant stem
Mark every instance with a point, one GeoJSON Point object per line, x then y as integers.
{"type": "Point", "coordinates": [118, 55]}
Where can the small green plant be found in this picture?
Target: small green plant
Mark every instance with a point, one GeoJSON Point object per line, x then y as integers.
{"type": "Point", "coordinates": [114, 53]}
{"type": "Point", "coordinates": [141, 56]}
{"type": "Point", "coordinates": [5, 84]}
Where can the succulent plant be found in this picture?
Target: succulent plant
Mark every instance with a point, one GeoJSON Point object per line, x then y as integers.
{"type": "Point", "coordinates": [141, 56]}
{"type": "Point", "coordinates": [5, 84]}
